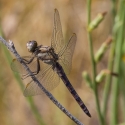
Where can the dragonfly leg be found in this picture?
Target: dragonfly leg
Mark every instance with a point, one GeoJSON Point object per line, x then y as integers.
{"type": "Point", "coordinates": [34, 73]}
{"type": "Point", "coordinates": [28, 61]}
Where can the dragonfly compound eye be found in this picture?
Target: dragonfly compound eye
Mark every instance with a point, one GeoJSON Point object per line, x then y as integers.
{"type": "Point", "coordinates": [31, 46]}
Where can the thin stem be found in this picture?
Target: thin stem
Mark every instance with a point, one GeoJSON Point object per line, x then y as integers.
{"type": "Point", "coordinates": [114, 7]}
{"type": "Point", "coordinates": [93, 64]}
{"type": "Point", "coordinates": [110, 66]}
{"type": "Point", "coordinates": [108, 79]}
{"type": "Point", "coordinates": [122, 80]}
{"type": "Point", "coordinates": [11, 47]}
{"type": "Point", "coordinates": [118, 57]}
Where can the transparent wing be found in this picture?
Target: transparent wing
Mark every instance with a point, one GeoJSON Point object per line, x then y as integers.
{"type": "Point", "coordinates": [48, 78]}
{"type": "Point", "coordinates": [65, 55]}
{"type": "Point", "coordinates": [57, 41]}
{"type": "Point", "coordinates": [17, 67]}
{"type": "Point", "coordinates": [63, 49]}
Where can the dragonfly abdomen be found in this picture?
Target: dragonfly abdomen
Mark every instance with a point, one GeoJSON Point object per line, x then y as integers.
{"type": "Point", "coordinates": [64, 78]}
{"type": "Point", "coordinates": [78, 99]}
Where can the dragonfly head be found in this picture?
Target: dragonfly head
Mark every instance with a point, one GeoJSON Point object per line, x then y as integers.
{"type": "Point", "coordinates": [31, 46]}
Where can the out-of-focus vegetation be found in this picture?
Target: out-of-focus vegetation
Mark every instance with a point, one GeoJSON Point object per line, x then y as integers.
{"type": "Point", "coordinates": [21, 21]}
{"type": "Point", "coordinates": [115, 72]}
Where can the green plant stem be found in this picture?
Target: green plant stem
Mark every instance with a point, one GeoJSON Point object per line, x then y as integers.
{"type": "Point", "coordinates": [110, 66]}
{"type": "Point", "coordinates": [93, 64]}
{"type": "Point", "coordinates": [114, 3]}
{"type": "Point", "coordinates": [118, 57]}
{"type": "Point", "coordinates": [122, 87]}
{"type": "Point", "coordinates": [122, 80]}
{"type": "Point", "coordinates": [108, 79]}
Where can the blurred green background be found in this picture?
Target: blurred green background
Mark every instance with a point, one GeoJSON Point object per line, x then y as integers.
{"type": "Point", "coordinates": [22, 21]}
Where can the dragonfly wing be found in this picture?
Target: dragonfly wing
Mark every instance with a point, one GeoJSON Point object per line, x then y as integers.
{"type": "Point", "coordinates": [63, 49]}
{"type": "Point", "coordinates": [65, 55]}
{"type": "Point", "coordinates": [47, 77]}
{"type": "Point", "coordinates": [16, 66]}
{"type": "Point", "coordinates": [57, 41]}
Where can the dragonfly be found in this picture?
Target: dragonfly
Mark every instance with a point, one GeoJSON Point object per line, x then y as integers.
{"type": "Point", "coordinates": [50, 63]}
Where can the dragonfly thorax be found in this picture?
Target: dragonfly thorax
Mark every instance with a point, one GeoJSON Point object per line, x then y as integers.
{"type": "Point", "coordinates": [31, 46]}
{"type": "Point", "coordinates": [47, 55]}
